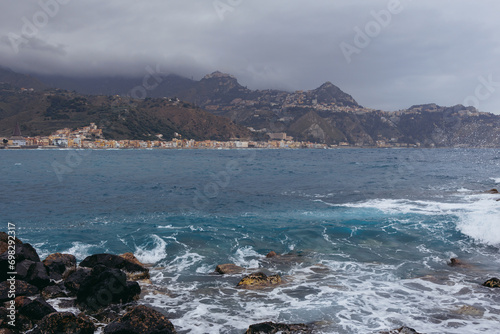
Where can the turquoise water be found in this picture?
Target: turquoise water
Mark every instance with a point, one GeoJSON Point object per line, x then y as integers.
{"type": "Point", "coordinates": [368, 232]}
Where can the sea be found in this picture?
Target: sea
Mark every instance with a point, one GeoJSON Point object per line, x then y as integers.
{"type": "Point", "coordinates": [365, 236]}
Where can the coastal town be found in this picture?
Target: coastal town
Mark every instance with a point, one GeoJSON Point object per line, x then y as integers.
{"type": "Point", "coordinates": [91, 137]}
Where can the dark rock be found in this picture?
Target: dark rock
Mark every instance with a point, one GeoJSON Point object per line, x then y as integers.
{"type": "Point", "coordinates": [135, 270]}
{"type": "Point", "coordinates": [109, 314]}
{"type": "Point", "coordinates": [454, 262]}
{"type": "Point", "coordinates": [64, 323]}
{"type": "Point", "coordinates": [26, 252]}
{"type": "Point", "coordinates": [3, 317]}
{"type": "Point", "coordinates": [34, 309]}
{"type": "Point", "coordinates": [229, 269]}
{"type": "Point", "coordinates": [259, 280]}
{"type": "Point", "coordinates": [6, 331]}
{"type": "Point", "coordinates": [492, 283]}
{"type": "Point", "coordinates": [38, 276]}
{"type": "Point", "coordinates": [402, 330]}
{"type": "Point", "coordinates": [105, 286]}
{"type": "Point", "coordinates": [60, 265]}
{"type": "Point", "coordinates": [273, 328]}
{"type": "Point", "coordinates": [271, 254]}
{"type": "Point", "coordinates": [75, 279]}
{"type": "Point", "coordinates": [53, 291]}
{"type": "Point", "coordinates": [4, 242]}
{"type": "Point", "coordinates": [141, 320]}
{"type": "Point", "coordinates": [492, 191]}
{"type": "Point", "coordinates": [23, 268]}
{"type": "Point", "coordinates": [22, 289]}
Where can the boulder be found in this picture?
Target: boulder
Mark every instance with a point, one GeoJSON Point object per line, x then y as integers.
{"type": "Point", "coordinates": [131, 258]}
{"type": "Point", "coordinates": [22, 269]}
{"type": "Point", "coordinates": [105, 286]}
{"type": "Point", "coordinates": [38, 275]}
{"type": "Point", "coordinates": [64, 323]}
{"type": "Point", "coordinates": [492, 191]}
{"type": "Point", "coordinates": [274, 328]}
{"type": "Point", "coordinates": [4, 242]}
{"type": "Point", "coordinates": [259, 280]}
{"type": "Point", "coordinates": [26, 252]}
{"type": "Point", "coordinates": [53, 291]}
{"type": "Point", "coordinates": [6, 331]}
{"type": "Point", "coordinates": [271, 254]}
{"type": "Point", "coordinates": [75, 279]}
{"type": "Point", "coordinates": [492, 283]}
{"type": "Point", "coordinates": [22, 289]}
{"type": "Point", "coordinates": [229, 269]}
{"type": "Point", "coordinates": [60, 265]}
{"type": "Point", "coordinates": [34, 309]}
{"type": "Point", "coordinates": [455, 262]}
{"type": "Point", "coordinates": [141, 320]}
{"type": "Point", "coordinates": [135, 270]}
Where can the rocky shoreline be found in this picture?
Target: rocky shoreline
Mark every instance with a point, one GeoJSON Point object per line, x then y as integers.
{"type": "Point", "coordinates": [105, 289]}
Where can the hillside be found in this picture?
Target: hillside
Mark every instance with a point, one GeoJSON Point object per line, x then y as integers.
{"type": "Point", "coordinates": [41, 113]}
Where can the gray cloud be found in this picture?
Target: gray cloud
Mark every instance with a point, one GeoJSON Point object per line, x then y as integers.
{"type": "Point", "coordinates": [426, 52]}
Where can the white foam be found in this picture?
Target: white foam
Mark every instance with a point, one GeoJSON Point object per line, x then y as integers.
{"type": "Point", "coordinates": [246, 257]}
{"type": "Point", "coordinates": [495, 179]}
{"type": "Point", "coordinates": [157, 253]}
{"type": "Point", "coordinates": [81, 250]}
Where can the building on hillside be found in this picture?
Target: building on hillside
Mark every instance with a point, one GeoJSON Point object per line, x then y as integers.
{"type": "Point", "coordinates": [17, 139]}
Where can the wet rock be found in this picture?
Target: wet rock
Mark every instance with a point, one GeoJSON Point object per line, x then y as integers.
{"type": "Point", "coordinates": [274, 328]}
{"type": "Point", "coordinates": [402, 330]}
{"type": "Point", "coordinates": [135, 271]}
{"type": "Point", "coordinates": [492, 283]}
{"type": "Point", "coordinates": [455, 262]}
{"type": "Point", "coordinates": [105, 286]}
{"type": "Point", "coordinates": [75, 279]}
{"type": "Point", "coordinates": [38, 275]}
{"type": "Point", "coordinates": [131, 258]}
{"type": "Point", "coordinates": [259, 280]}
{"type": "Point", "coordinates": [23, 268]}
{"type": "Point", "coordinates": [53, 291]}
{"type": "Point", "coordinates": [6, 331]}
{"type": "Point", "coordinates": [229, 269]}
{"type": "Point", "coordinates": [4, 242]}
{"type": "Point", "coordinates": [26, 252]}
{"type": "Point", "coordinates": [64, 323]}
{"type": "Point", "coordinates": [109, 314]}
{"type": "Point", "coordinates": [60, 265]}
{"type": "Point", "coordinates": [141, 319]}
{"type": "Point", "coordinates": [492, 191]}
{"type": "Point", "coordinates": [470, 311]}
{"type": "Point", "coordinates": [3, 317]}
{"type": "Point", "coordinates": [22, 289]}
{"type": "Point", "coordinates": [34, 309]}
{"type": "Point", "coordinates": [271, 254]}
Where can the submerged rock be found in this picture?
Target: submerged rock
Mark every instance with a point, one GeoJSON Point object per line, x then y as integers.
{"type": "Point", "coordinates": [134, 269]}
{"type": "Point", "coordinates": [470, 310]}
{"type": "Point", "coordinates": [105, 286]}
{"type": "Point", "coordinates": [64, 323]}
{"type": "Point", "coordinates": [492, 283]}
{"type": "Point", "coordinates": [274, 328]}
{"type": "Point", "coordinates": [229, 269]}
{"type": "Point", "coordinates": [259, 280]}
{"type": "Point", "coordinates": [141, 319]}
{"type": "Point", "coordinates": [402, 330]}
{"type": "Point", "coordinates": [60, 265]}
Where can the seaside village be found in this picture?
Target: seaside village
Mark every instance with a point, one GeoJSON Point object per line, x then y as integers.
{"type": "Point", "coordinates": [91, 137]}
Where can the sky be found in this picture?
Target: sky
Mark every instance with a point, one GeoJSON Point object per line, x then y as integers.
{"type": "Point", "coordinates": [388, 54]}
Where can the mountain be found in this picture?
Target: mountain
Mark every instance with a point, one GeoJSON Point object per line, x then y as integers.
{"type": "Point", "coordinates": [325, 114]}
{"type": "Point", "coordinates": [40, 113]}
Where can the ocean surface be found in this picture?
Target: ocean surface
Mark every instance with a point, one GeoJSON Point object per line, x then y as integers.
{"type": "Point", "coordinates": [365, 234]}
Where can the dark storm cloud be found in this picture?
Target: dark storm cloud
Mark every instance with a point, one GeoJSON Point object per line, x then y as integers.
{"type": "Point", "coordinates": [388, 54]}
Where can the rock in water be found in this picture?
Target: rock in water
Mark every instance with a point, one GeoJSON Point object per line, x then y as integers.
{"type": "Point", "coordinates": [141, 319]}
{"type": "Point", "coordinates": [53, 291]}
{"type": "Point", "coordinates": [4, 242]}
{"type": "Point", "coordinates": [259, 280]}
{"type": "Point", "coordinates": [60, 265]}
{"type": "Point", "coordinates": [229, 269]}
{"type": "Point", "coordinates": [271, 254]}
{"type": "Point", "coordinates": [402, 330]}
{"type": "Point", "coordinates": [274, 328]}
{"type": "Point", "coordinates": [64, 323]}
{"type": "Point", "coordinates": [105, 286]}
{"type": "Point", "coordinates": [492, 283]}
{"type": "Point", "coordinates": [135, 270]}
{"type": "Point", "coordinates": [492, 191]}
